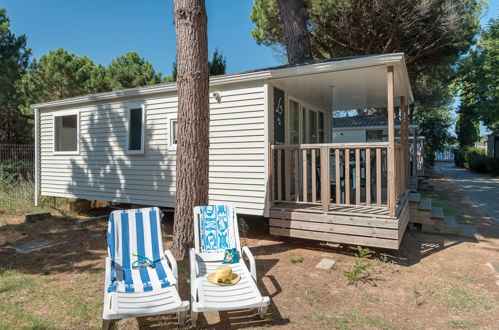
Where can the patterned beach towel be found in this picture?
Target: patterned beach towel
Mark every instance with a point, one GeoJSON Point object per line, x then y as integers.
{"type": "Point", "coordinates": [136, 250]}
{"type": "Point", "coordinates": [216, 226]}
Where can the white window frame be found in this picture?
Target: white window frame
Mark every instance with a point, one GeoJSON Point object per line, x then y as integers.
{"type": "Point", "coordinates": [303, 109]}
{"type": "Point", "coordinates": [171, 145]}
{"type": "Point", "coordinates": [143, 128]}
{"type": "Point", "coordinates": [63, 114]}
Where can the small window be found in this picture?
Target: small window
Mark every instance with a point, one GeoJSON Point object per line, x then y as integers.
{"type": "Point", "coordinates": [374, 135]}
{"type": "Point", "coordinates": [135, 134]}
{"type": "Point", "coordinates": [66, 133]}
{"type": "Point", "coordinates": [173, 133]}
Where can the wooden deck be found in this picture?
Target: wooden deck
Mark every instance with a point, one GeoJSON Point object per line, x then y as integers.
{"type": "Point", "coordinates": [347, 224]}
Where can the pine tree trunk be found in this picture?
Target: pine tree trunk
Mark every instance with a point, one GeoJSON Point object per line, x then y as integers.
{"type": "Point", "coordinates": [193, 119]}
{"type": "Point", "coordinates": [294, 17]}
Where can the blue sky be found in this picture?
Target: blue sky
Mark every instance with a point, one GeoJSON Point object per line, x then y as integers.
{"type": "Point", "coordinates": [105, 29]}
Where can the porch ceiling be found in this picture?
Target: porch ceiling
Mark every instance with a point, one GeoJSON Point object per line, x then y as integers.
{"type": "Point", "coordinates": [353, 88]}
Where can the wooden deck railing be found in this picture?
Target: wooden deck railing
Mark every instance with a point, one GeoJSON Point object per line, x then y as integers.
{"type": "Point", "coordinates": [334, 173]}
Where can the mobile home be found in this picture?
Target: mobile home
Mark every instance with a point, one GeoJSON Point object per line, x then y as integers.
{"type": "Point", "coordinates": [271, 148]}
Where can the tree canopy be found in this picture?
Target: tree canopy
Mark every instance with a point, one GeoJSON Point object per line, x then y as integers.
{"type": "Point", "coordinates": [131, 70]}
{"type": "Point", "coordinates": [432, 34]}
{"type": "Point", "coordinates": [14, 60]}
{"type": "Point", "coordinates": [479, 87]}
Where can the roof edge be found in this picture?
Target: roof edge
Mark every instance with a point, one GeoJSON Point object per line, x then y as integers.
{"type": "Point", "coordinates": [150, 90]}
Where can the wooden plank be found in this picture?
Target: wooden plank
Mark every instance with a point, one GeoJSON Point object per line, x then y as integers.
{"type": "Point", "coordinates": [279, 175]}
{"type": "Point", "coordinates": [271, 175]}
{"type": "Point", "coordinates": [313, 171]}
{"type": "Point", "coordinates": [347, 176]}
{"type": "Point", "coordinates": [362, 145]}
{"type": "Point", "coordinates": [391, 140]}
{"type": "Point", "coordinates": [325, 193]}
{"type": "Point", "coordinates": [336, 238]}
{"type": "Point", "coordinates": [304, 176]}
{"type": "Point", "coordinates": [337, 173]}
{"type": "Point", "coordinates": [378, 176]}
{"type": "Point", "coordinates": [335, 228]}
{"type": "Point", "coordinates": [357, 176]}
{"type": "Point", "coordinates": [296, 170]}
{"type": "Point", "coordinates": [368, 176]}
{"type": "Point", "coordinates": [287, 174]}
{"type": "Point", "coordinates": [350, 220]}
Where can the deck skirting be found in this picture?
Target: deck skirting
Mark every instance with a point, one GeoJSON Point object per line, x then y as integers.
{"type": "Point", "coordinates": [369, 228]}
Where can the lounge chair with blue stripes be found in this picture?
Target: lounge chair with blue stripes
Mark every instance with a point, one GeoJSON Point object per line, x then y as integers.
{"type": "Point", "coordinates": [216, 230]}
{"type": "Point", "coordinates": [141, 278]}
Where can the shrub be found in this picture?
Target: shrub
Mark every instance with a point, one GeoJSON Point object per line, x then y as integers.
{"type": "Point", "coordinates": [472, 158]}
{"type": "Point", "coordinates": [493, 165]}
{"type": "Point", "coordinates": [477, 160]}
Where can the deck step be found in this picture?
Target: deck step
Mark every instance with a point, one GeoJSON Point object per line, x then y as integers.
{"type": "Point", "coordinates": [424, 205]}
{"type": "Point", "coordinates": [448, 226]}
{"type": "Point", "coordinates": [414, 197]}
{"type": "Point", "coordinates": [437, 213]}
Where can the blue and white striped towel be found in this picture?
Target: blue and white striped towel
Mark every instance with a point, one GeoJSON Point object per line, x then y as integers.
{"type": "Point", "coordinates": [131, 232]}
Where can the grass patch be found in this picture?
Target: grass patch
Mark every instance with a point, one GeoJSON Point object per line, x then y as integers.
{"type": "Point", "coordinates": [346, 321]}
{"type": "Point", "coordinates": [462, 300]}
{"type": "Point", "coordinates": [295, 260]}
{"type": "Point", "coordinates": [30, 301]}
{"type": "Point", "coordinates": [462, 324]}
{"type": "Point", "coordinates": [310, 295]}
{"type": "Point", "coordinates": [370, 298]}
{"type": "Point", "coordinates": [446, 202]}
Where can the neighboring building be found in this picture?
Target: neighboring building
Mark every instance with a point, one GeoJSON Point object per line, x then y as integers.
{"type": "Point", "coordinates": [446, 154]}
{"type": "Point", "coordinates": [364, 129]}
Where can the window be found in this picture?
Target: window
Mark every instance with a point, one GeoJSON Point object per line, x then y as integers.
{"type": "Point", "coordinates": [135, 132]}
{"type": "Point", "coordinates": [173, 132]}
{"type": "Point", "coordinates": [321, 127]}
{"type": "Point", "coordinates": [294, 129]}
{"type": "Point", "coordinates": [312, 126]}
{"type": "Point", "coordinates": [66, 133]}
{"type": "Point", "coordinates": [374, 135]}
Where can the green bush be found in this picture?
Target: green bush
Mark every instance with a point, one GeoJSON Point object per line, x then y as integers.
{"type": "Point", "coordinates": [472, 158]}
{"type": "Point", "coordinates": [493, 165]}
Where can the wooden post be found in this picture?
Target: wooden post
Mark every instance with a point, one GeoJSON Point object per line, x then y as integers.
{"type": "Point", "coordinates": [378, 176]}
{"type": "Point", "coordinates": [403, 137]}
{"type": "Point", "coordinates": [325, 193]}
{"type": "Point", "coordinates": [368, 176]}
{"type": "Point", "coordinates": [296, 168]}
{"type": "Point", "coordinates": [391, 142]}
{"type": "Point", "coordinates": [279, 174]}
{"type": "Point", "coordinates": [357, 176]}
{"type": "Point", "coordinates": [337, 173]}
{"type": "Point", "coordinates": [287, 174]}
{"type": "Point", "coordinates": [347, 176]}
{"type": "Point", "coordinates": [415, 154]}
{"type": "Point", "coordinates": [304, 176]}
{"type": "Point", "coordinates": [271, 174]}
{"type": "Point", "coordinates": [314, 179]}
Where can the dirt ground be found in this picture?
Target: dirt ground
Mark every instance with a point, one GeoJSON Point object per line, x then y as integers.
{"type": "Point", "coordinates": [432, 282]}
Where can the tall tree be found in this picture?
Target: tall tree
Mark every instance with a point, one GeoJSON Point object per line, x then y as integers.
{"type": "Point", "coordinates": [434, 125]}
{"type": "Point", "coordinates": [431, 33]}
{"type": "Point", "coordinates": [216, 66]}
{"type": "Point", "coordinates": [218, 63]}
{"type": "Point", "coordinates": [296, 36]}
{"type": "Point", "coordinates": [193, 118]}
{"type": "Point", "coordinates": [58, 75]}
{"type": "Point", "coordinates": [131, 70]}
{"type": "Point", "coordinates": [14, 59]}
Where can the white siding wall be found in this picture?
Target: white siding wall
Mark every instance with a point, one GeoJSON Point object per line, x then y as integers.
{"type": "Point", "coordinates": [345, 136]}
{"type": "Point", "coordinates": [103, 171]}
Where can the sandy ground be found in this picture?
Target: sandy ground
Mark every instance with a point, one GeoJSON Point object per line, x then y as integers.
{"type": "Point", "coordinates": [432, 282]}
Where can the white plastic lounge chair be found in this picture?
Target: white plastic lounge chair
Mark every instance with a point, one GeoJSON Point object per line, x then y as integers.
{"type": "Point", "coordinates": [139, 281]}
{"type": "Point", "coordinates": [216, 229]}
